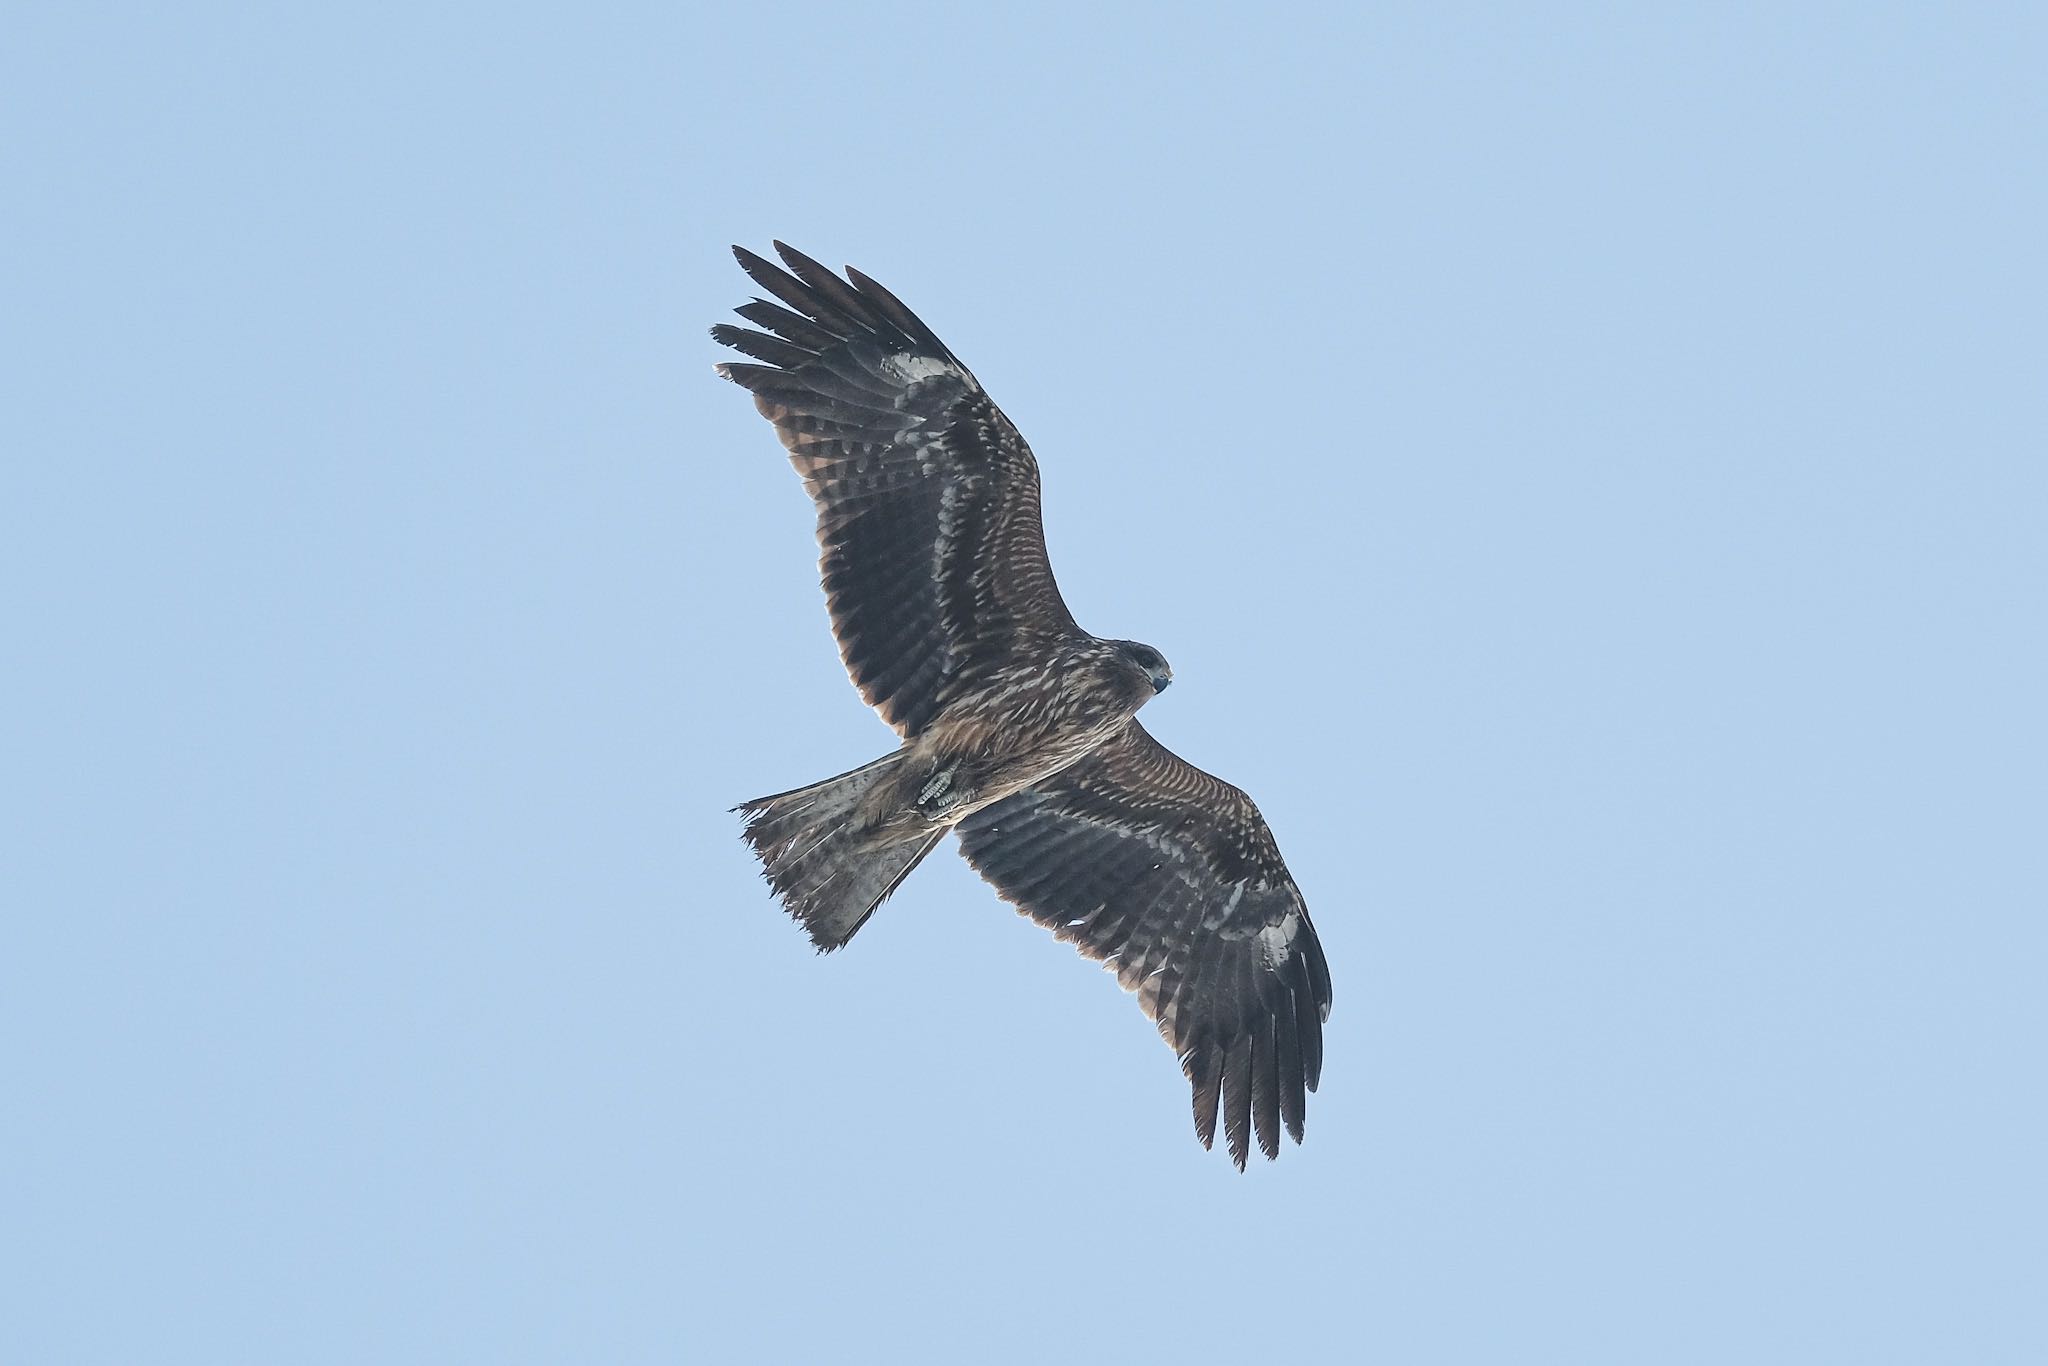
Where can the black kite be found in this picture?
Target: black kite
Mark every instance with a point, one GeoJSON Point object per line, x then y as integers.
{"type": "Point", "coordinates": [1019, 728]}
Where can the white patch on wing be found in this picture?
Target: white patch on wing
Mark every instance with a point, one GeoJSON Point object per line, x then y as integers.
{"type": "Point", "coordinates": [1276, 942]}
{"type": "Point", "coordinates": [911, 368]}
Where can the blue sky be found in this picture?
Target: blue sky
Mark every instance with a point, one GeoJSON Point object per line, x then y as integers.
{"type": "Point", "coordinates": [1583, 462]}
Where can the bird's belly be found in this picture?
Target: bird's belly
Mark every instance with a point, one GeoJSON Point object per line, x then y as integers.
{"type": "Point", "coordinates": [961, 782]}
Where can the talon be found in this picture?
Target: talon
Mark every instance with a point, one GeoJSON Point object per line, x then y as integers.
{"type": "Point", "coordinates": [936, 787]}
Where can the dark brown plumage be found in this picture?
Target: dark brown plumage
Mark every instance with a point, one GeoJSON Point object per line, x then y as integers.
{"type": "Point", "coordinates": [1019, 728]}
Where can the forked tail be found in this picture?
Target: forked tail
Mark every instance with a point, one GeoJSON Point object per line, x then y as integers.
{"type": "Point", "coordinates": [826, 867]}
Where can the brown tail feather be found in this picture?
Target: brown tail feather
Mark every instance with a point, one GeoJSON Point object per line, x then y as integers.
{"type": "Point", "coordinates": [826, 867]}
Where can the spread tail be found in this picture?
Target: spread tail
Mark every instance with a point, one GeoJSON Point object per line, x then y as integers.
{"type": "Point", "coordinates": [824, 865]}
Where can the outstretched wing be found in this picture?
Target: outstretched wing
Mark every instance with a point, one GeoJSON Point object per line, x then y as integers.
{"type": "Point", "coordinates": [1171, 877]}
{"type": "Point", "coordinates": [933, 554]}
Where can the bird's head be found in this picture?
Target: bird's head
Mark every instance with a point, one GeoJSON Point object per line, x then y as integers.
{"type": "Point", "coordinates": [1149, 662]}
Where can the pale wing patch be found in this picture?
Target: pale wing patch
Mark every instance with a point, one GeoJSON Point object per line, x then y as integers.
{"type": "Point", "coordinates": [910, 367]}
{"type": "Point", "coordinates": [1276, 942]}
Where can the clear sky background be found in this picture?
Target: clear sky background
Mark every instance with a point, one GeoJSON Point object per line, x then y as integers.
{"type": "Point", "coordinates": [1585, 464]}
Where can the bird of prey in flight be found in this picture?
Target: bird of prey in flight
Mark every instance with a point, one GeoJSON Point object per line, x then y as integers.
{"type": "Point", "coordinates": [1019, 729]}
